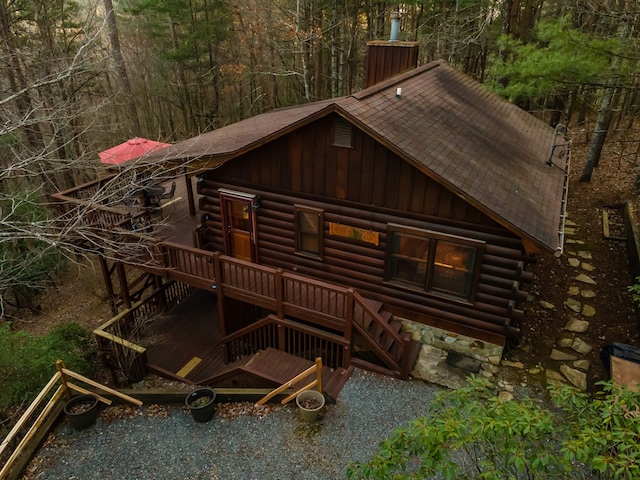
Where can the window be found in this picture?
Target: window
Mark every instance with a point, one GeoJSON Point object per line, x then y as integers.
{"type": "Point", "coordinates": [432, 262]}
{"type": "Point", "coordinates": [308, 226]}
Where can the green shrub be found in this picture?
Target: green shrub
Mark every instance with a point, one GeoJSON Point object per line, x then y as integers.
{"type": "Point", "coordinates": [27, 361]}
{"type": "Point", "coordinates": [472, 434]}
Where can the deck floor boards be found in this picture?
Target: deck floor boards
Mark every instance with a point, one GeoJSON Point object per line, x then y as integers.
{"type": "Point", "coordinates": [178, 224]}
{"type": "Point", "coordinates": [191, 330]}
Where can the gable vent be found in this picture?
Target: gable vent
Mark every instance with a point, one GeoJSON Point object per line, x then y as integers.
{"type": "Point", "coordinates": [342, 133]}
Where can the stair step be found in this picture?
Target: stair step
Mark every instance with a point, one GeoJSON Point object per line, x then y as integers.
{"type": "Point", "coordinates": [397, 326]}
{"type": "Point", "coordinates": [336, 382]}
{"type": "Point", "coordinates": [373, 305]}
{"type": "Point", "coordinates": [372, 367]}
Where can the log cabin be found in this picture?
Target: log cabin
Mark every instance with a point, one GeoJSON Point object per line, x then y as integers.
{"type": "Point", "coordinates": [405, 214]}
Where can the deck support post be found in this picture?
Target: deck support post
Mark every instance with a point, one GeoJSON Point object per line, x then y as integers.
{"type": "Point", "coordinates": [190, 197]}
{"type": "Point", "coordinates": [157, 285]}
{"type": "Point", "coordinates": [217, 288]}
{"type": "Point", "coordinates": [108, 284]}
{"type": "Point", "coordinates": [124, 285]}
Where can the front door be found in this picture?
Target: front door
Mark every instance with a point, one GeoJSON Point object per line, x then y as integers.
{"type": "Point", "coordinates": [238, 219]}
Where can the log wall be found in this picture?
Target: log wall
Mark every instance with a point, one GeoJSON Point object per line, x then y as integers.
{"type": "Point", "coordinates": [367, 187]}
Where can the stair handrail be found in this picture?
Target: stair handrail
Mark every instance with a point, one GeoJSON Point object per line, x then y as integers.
{"type": "Point", "coordinates": [383, 354]}
{"type": "Point", "coordinates": [280, 322]}
{"type": "Point", "coordinates": [385, 325]}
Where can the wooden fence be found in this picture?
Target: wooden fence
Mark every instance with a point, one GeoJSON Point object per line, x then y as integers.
{"type": "Point", "coordinates": [317, 383]}
{"type": "Point", "coordinates": [32, 427]}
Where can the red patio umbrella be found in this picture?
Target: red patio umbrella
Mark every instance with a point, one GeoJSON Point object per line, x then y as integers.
{"type": "Point", "coordinates": [130, 149]}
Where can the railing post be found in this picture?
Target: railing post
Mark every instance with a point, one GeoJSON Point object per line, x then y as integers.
{"type": "Point", "coordinates": [162, 253]}
{"type": "Point", "coordinates": [348, 328]}
{"type": "Point", "coordinates": [279, 293]}
{"type": "Point", "coordinates": [217, 287]}
{"type": "Point", "coordinates": [404, 361]}
{"type": "Point", "coordinates": [319, 373]}
{"type": "Point", "coordinates": [63, 378]}
{"type": "Point", "coordinates": [348, 324]}
{"type": "Point", "coordinates": [281, 338]}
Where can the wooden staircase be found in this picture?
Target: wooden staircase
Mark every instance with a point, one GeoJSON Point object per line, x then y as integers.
{"type": "Point", "coordinates": [271, 368]}
{"type": "Point", "coordinates": [393, 348]}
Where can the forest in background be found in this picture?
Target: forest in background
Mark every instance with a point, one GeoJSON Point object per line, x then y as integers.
{"type": "Point", "coordinates": [79, 76]}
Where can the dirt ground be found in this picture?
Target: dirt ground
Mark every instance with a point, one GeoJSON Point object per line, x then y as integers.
{"type": "Point", "coordinates": [615, 319]}
{"type": "Point", "coordinates": [80, 296]}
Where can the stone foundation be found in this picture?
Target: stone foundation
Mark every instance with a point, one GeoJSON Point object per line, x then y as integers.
{"type": "Point", "coordinates": [432, 364]}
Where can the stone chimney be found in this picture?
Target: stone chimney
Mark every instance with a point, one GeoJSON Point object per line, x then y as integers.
{"type": "Point", "coordinates": [388, 58]}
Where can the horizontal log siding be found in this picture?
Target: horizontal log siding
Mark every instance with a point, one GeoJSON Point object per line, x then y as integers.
{"type": "Point", "coordinates": [367, 187]}
{"type": "Point", "coordinates": [361, 265]}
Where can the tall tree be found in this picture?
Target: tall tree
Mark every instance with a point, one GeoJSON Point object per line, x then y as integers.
{"type": "Point", "coordinates": [628, 22]}
{"type": "Point", "coordinates": [121, 68]}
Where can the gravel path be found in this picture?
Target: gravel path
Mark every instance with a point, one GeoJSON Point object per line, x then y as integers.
{"type": "Point", "coordinates": [278, 446]}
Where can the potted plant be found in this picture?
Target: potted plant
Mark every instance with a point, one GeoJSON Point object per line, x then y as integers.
{"type": "Point", "coordinates": [201, 404]}
{"type": "Point", "coordinates": [310, 402]}
{"type": "Point", "coordinates": [82, 411]}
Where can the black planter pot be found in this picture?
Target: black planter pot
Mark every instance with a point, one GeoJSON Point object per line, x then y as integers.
{"type": "Point", "coordinates": [82, 411]}
{"type": "Point", "coordinates": [201, 409]}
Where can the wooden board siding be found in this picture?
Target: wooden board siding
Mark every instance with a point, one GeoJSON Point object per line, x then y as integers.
{"type": "Point", "coordinates": [306, 162]}
{"type": "Point", "coordinates": [361, 265]}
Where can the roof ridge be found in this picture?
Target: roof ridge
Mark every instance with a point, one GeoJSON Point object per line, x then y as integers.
{"type": "Point", "coordinates": [401, 77]}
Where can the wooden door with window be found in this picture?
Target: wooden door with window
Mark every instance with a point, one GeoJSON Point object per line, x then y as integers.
{"type": "Point", "coordinates": [239, 223]}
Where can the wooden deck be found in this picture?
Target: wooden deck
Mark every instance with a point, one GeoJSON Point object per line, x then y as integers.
{"type": "Point", "coordinates": [185, 344]}
{"type": "Point", "coordinates": [177, 223]}
{"type": "Point", "coordinates": [186, 332]}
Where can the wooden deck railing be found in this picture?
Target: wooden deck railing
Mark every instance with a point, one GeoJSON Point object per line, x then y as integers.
{"type": "Point", "coordinates": [290, 337]}
{"type": "Point", "coordinates": [190, 265]}
{"type": "Point", "coordinates": [286, 293]}
{"type": "Point", "coordinates": [116, 338]}
{"type": "Point", "coordinates": [308, 298]}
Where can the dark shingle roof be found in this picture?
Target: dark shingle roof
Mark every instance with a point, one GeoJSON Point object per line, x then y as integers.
{"type": "Point", "coordinates": [239, 137]}
{"type": "Point", "coordinates": [488, 151]}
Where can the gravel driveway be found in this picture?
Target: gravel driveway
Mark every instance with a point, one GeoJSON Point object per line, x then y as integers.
{"type": "Point", "coordinates": [277, 446]}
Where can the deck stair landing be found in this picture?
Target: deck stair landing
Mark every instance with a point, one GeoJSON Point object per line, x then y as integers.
{"type": "Point", "coordinates": [273, 367]}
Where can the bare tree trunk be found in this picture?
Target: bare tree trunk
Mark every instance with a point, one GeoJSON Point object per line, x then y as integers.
{"type": "Point", "coordinates": [599, 134]}
{"type": "Point", "coordinates": [604, 117]}
{"type": "Point", "coordinates": [18, 83]}
{"type": "Point", "coordinates": [183, 95]}
{"type": "Point", "coordinates": [121, 69]}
